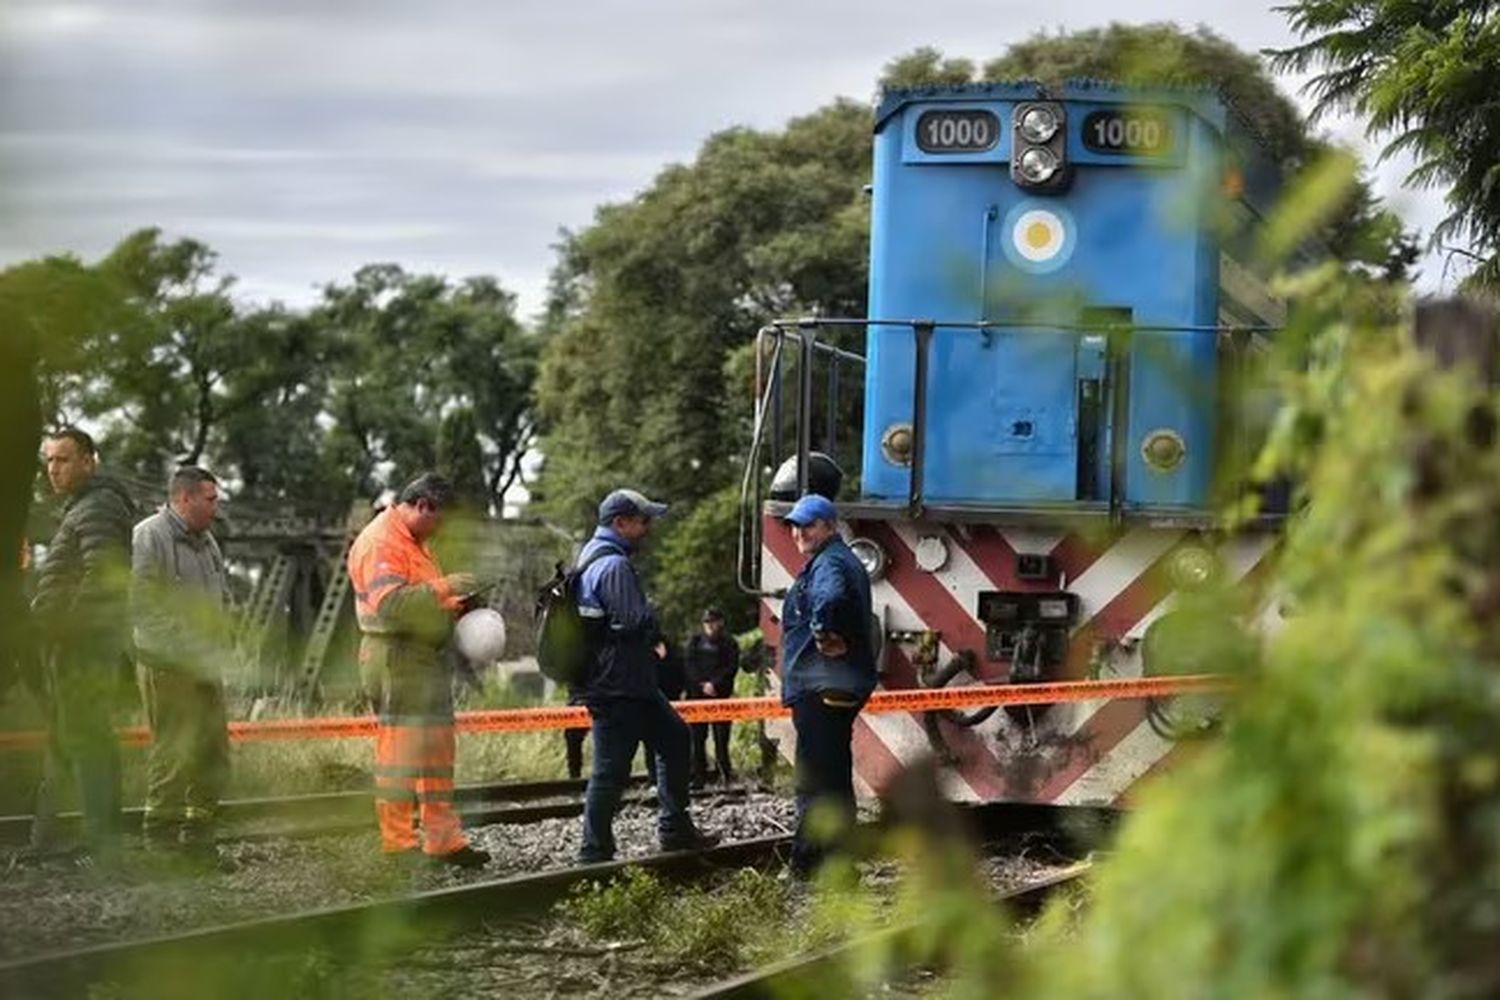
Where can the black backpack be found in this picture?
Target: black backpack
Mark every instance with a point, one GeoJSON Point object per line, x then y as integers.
{"type": "Point", "coordinates": [565, 641]}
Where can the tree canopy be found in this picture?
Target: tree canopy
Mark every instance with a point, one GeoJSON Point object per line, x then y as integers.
{"type": "Point", "coordinates": [1422, 72]}
{"type": "Point", "coordinates": [302, 410]}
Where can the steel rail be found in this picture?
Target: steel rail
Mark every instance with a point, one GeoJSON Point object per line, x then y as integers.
{"type": "Point", "coordinates": [334, 812]}
{"type": "Point", "coordinates": [373, 931]}
{"type": "Point", "coordinates": [356, 932]}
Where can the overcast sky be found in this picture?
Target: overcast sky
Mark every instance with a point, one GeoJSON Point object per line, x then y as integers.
{"type": "Point", "coordinates": [302, 138]}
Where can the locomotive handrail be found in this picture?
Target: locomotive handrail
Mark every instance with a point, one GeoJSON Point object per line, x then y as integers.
{"type": "Point", "coordinates": [768, 408]}
{"type": "Point", "coordinates": [1019, 324]}
{"type": "Point", "coordinates": [768, 412]}
{"type": "Point", "coordinates": [747, 562]}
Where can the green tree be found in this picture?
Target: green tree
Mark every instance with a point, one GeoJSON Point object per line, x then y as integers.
{"type": "Point", "coordinates": [405, 350]}
{"type": "Point", "coordinates": [460, 458]}
{"type": "Point", "coordinates": [49, 310]}
{"type": "Point", "coordinates": [180, 375]}
{"type": "Point", "coordinates": [1424, 73]}
{"type": "Point", "coordinates": [649, 300]}
{"type": "Point", "coordinates": [275, 429]}
{"type": "Point", "coordinates": [695, 569]}
{"type": "Point", "coordinates": [926, 67]}
{"type": "Point", "coordinates": [156, 378]}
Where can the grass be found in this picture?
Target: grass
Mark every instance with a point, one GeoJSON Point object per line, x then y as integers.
{"type": "Point", "coordinates": [746, 920]}
{"type": "Point", "coordinates": [738, 922]}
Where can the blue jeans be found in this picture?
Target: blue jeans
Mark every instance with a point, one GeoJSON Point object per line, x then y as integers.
{"type": "Point", "coordinates": [825, 777]}
{"type": "Point", "coordinates": [620, 726]}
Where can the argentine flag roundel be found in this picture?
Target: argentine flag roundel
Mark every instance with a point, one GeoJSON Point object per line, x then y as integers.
{"type": "Point", "coordinates": [1037, 237]}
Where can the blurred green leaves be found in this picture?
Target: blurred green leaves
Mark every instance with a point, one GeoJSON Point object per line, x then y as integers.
{"type": "Point", "coordinates": [1422, 72]}
{"type": "Point", "coordinates": [1308, 203]}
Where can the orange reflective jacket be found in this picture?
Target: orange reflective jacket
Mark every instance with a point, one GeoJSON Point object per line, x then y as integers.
{"type": "Point", "coordinates": [398, 585]}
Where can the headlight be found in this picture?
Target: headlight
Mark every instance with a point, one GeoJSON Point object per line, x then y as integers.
{"type": "Point", "coordinates": [871, 556]}
{"type": "Point", "coordinates": [1163, 450]}
{"type": "Point", "coordinates": [1038, 165]}
{"type": "Point", "coordinates": [931, 554]}
{"type": "Point", "coordinates": [1193, 566]}
{"type": "Point", "coordinates": [896, 444]}
{"type": "Point", "coordinates": [1038, 125]}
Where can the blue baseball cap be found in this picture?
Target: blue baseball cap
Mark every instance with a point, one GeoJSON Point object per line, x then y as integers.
{"type": "Point", "coordinates": [623, 503]}
{"type": "Point", "coordinates": [812, 508]}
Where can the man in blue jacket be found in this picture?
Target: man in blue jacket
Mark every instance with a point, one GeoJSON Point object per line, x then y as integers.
{"type": "Point", "coordinates": [621, 690]}
{"type": "Point", "coordinates": [828, 672]}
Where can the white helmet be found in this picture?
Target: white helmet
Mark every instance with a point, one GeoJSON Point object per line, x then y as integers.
{"type": "Point", "coordinates": [480, 636]}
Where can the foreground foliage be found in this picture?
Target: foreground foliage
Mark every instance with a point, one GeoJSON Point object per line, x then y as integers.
{"type": "Point", "coordinates": [1341, 839]}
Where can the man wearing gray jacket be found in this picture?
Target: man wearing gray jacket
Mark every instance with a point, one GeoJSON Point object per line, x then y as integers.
{"type": "Point", "coordinates": [181, 611]}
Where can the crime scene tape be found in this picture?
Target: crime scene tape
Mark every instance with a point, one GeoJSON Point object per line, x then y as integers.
{"type": "Point", "coordinates": [518, 720]}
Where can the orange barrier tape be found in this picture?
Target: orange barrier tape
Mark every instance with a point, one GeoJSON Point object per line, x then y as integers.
{"type": "Point", "coordinates": [517, 720]}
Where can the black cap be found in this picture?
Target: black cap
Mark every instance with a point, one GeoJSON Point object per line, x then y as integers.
{"type": "Point", "coordinates": [713, 615]}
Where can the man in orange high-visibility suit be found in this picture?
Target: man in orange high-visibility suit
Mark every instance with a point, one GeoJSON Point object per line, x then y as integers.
{"type": "Point", "coordinates": [406, 608]}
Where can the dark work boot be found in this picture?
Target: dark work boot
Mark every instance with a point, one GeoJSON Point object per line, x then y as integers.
{"type": "Point", "coordinates": [466, 856]}
{"type": "Point", "coordinates": [693, 840]}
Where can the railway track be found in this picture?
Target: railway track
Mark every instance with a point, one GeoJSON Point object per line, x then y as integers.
{"type": "Point", "coordinates": [798, 976]}
{"type": "Point", "coordinates": [266, 954]}
{"type": "Point", "coordinates": [349, 812]}
{"type": "Point", "coordinates": [349, 932]}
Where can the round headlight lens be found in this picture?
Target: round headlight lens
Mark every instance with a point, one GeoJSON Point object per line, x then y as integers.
{"type": "Point", "coordinates": [1163, 450]}
{"type": "Point", "coordinates": [1038, 125]}
{"type": "Point", "coordinates": [931, 554]}
{"type": "Point", "coordinates": [896, 444]}
{"type": "Point", "coordinates": [871, 556]}
{"type": "Point", "coordinates": [1038, 165]}
{"type": "Point", "coordinates": [1192, 567]}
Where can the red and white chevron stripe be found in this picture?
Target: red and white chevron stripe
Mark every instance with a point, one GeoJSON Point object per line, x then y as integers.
{"type": "Point", "coordinates": [1082, 753]}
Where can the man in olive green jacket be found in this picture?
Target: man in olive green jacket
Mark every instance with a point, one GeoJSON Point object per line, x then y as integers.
{"type": "Point", "coordinates": [181, 608]}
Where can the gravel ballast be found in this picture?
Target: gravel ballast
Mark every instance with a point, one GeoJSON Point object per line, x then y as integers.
{"type": "Point", "coordinates": [60, 904]}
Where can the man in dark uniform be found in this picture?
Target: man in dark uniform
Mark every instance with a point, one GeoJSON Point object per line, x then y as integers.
{"type": "Point", "coordinates": [713, 658]}
{"type": "Point", "coordinates": [827, 673]}
{"type": "Point", "coordinates": [620, 688]}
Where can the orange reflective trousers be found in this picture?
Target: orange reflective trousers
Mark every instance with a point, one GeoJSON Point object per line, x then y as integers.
{"type": "Point", "coordinates": [414, 745]}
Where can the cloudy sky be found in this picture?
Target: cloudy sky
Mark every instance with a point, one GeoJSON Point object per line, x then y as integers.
{"type": "Point", "coordinates": [303, 138]}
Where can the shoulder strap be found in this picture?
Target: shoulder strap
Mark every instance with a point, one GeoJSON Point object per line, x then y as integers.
{"type": "Point", "coordinates": [607, 549]}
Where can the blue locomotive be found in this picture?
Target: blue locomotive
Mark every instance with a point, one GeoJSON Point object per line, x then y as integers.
{"type": "Point", "coordinates": [1059, 303]}
{"type": "Point", "coordinates": [1066, 246]}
